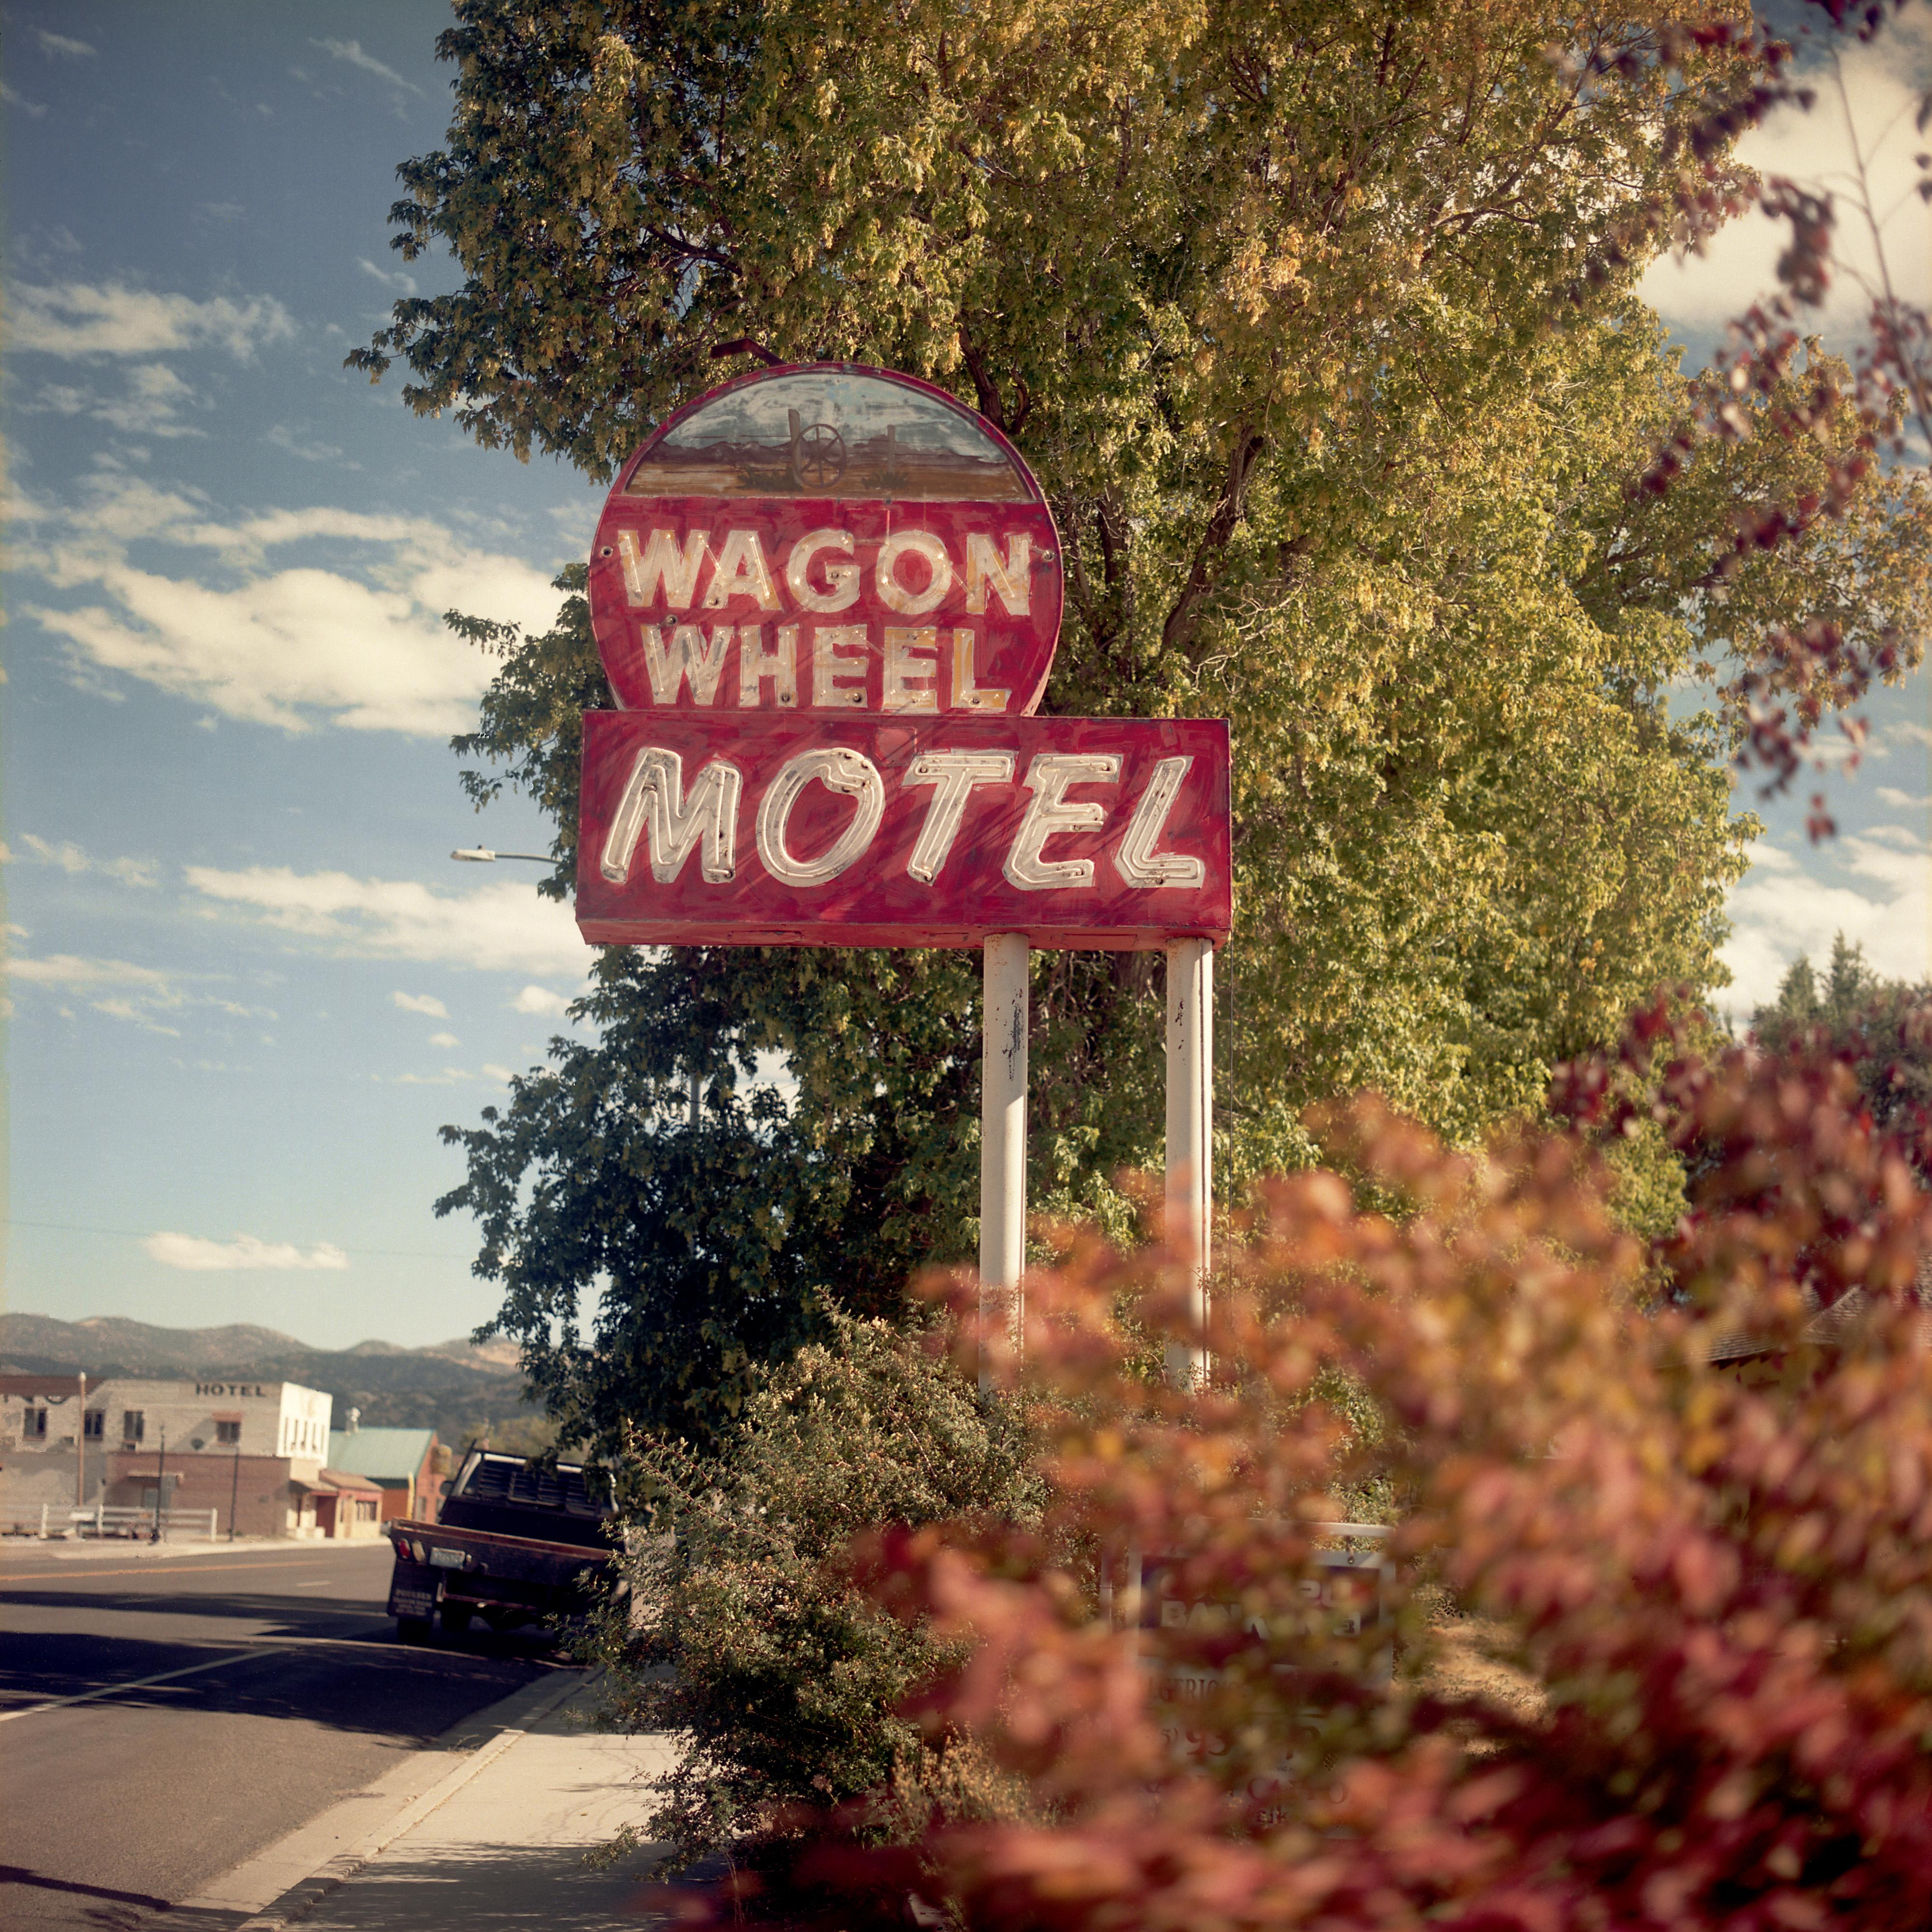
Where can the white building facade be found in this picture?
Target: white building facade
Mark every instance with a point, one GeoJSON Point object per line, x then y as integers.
{"type": "Point", "coordinates": [251, 1452]}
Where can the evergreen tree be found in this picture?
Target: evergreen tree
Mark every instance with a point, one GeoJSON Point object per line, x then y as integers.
{"type": "Point", "coordinates": [1881, 1028]}
{"type": "Point", "coordinates": [1851, 982]}
{"type": "Point", "coordinates": [1797, 993]}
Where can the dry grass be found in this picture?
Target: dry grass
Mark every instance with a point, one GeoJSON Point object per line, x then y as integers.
{"type": "Point", "coordinates": [1470, 1662]}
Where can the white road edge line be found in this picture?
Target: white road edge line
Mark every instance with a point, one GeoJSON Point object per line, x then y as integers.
{"type": "Point", "coordinates": [137, 1683]}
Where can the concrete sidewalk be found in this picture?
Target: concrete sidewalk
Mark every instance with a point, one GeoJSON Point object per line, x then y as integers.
{"type": "Point", "coordinates": [507, 1849]}
{"type": "Point", "coordinates": [496, 1842]}
{"type": "Point", "coordinates": [125, 1548]}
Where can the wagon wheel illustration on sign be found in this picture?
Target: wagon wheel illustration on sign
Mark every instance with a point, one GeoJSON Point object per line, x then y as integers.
{"type": "Point", "coordinates": [817, 453]}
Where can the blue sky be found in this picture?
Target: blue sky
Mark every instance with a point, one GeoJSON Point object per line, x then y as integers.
{"type": "Point", "coordinates": [247, 984]}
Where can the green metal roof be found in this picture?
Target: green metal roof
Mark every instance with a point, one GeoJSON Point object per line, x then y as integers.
{"type": "Point", "coordinates": [393, 1455]}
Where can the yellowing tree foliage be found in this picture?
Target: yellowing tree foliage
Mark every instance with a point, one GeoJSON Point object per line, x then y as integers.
{"type": "Point", "coordinates": [1316, 323]}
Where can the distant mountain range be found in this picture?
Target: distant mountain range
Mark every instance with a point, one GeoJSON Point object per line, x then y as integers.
{"type": "Point", "coordinates": [456, 1388]}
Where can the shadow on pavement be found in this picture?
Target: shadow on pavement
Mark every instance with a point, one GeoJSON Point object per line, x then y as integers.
{"type": "Point", "coordinates": [21, 1875]}
{"type": "Point", "coordinates": [110, 1910]}
{"type": "Point", "coordinates": [382, 1687]}
{"type": "Point", "coordinates": [509, 1886]}
{"type": "Point", "coordinates": [280, 1615]}
{"type": "Point", "coordinates": [282, 1608]}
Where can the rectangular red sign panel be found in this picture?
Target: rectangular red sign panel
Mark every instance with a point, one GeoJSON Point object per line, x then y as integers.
{"type": "Point", "coordinates": [1109, 832]}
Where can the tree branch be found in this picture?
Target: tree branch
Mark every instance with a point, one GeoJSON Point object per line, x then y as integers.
{"type": "Point", "coordinates": [991, 405]}
{"type": "Point", "coordinates": [1179, 628]}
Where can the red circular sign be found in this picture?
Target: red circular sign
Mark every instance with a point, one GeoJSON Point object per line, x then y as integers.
{"type": "Point", "coordinates": [830, 539]}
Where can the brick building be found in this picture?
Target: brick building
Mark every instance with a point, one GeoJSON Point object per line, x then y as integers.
{"type": "Point", "coordinates": [408, 1464]}
{"type": "Point", "coordinates": [254, 1453]}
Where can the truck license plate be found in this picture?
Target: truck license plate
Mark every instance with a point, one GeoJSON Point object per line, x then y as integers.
{"type": "Point", "coordinates": [447, 1559]}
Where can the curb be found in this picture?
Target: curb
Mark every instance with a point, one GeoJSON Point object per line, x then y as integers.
{"type": "Point", "coordinates": [303, 1898]}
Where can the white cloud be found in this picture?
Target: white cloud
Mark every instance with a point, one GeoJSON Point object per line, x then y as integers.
{"type": "Point", "coordinates": [74, 862]}
{"type": "Point", "coordinates": [58, 47]}
{"type": "Point", "coordinates": [276, 650]}
{"type": "Point", "coordinates": [1882, 900]}
{"type": "Point", "coordinates": [444, 1040]}
{"type": "Point", "coordinates": [362, 645]}
{"type": "Point", "coordinates": [421, 1003]}
{"type": "Point", "coordinates": [120, 989]}
{"type": "Point", "coordinates": [492, 1072]}
{"type": "Point", "coordinates": [116, 987]}
{"type": "Point", "coordinates": [73, 318]}
{"type": "Point", "coordinates": [15, 99]}
{"type": "Point", "coordinates": [1882, 81]}
{"type": "Point", "coordinates": [540, 999]}
{"type": "Point", "coordinates": [198, 1255]}
{"type": "Point", "coordinates": [351, 51]}
{"type": "Point", "coordinates": [1903, 801]}
{"type": "Point", "coordinates": [504, 928]}
{"type": "Point", "coordinates": [283, 438]}
{"type": "Point", "coordinates": [70, 970]}
{"type": "Point", "coordinates": [390, 278]}
{"type": "Point", "coordinates": [134, 1012]}
{"type": "Point", "coordinates": [155, 396]}
{"type": "Point", "coordinates": [151, 405]}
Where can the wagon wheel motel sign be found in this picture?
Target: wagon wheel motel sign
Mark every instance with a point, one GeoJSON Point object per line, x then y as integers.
{"type": "Point", "coordinates": [826, 598]}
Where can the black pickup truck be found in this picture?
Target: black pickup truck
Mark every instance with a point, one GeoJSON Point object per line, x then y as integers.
{"type": "Point", "coordinates": [511, 1544]}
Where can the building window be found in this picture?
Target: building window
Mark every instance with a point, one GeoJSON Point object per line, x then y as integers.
{"type": "Point", "coordinates": [95, 1427]}
{"type": "Point", "coordinates": [133, 1425]}
{"type": "Point", "coordinates": [34, 1426]}
{"type": "Point", "coordinates": [229, 1433]}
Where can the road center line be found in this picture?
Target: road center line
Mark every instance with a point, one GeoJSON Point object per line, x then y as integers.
{"type": "Point", "coordinates": [137, 1683]}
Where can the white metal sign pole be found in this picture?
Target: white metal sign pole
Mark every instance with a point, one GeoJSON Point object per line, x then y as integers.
{"type": "Point", "coordinates": [1003, 1101]}
{"type": "Point", "coordinates": [1190, 1135]}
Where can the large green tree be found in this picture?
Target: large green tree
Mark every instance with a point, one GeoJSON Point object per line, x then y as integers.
{"type": "Point", "coordinates": [1317, 322]}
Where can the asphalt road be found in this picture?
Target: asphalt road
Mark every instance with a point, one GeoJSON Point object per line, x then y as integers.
{"type": "Point", "coordinates": [164, 1772]}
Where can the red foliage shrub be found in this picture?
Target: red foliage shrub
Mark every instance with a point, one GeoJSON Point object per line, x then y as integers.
{"type": "Point", "coordinates": [1707, 1593]}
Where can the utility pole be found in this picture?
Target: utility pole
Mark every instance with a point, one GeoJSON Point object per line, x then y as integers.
{"type": "Point", "coordinates": [161, 1484]}
{"type": "Point", "coordinates": [234, 1480]}
{"type": "Point", "coordinates": [80, 1450]}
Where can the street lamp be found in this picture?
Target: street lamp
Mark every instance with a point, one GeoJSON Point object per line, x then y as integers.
{"type": "Point", "coordinates": [80, 1452]}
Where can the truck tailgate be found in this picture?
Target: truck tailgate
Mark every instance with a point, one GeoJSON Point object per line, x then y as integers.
{"type": "Point", "coordinates": [525, 1558]}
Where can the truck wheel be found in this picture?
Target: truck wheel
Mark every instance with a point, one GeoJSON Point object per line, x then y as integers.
{"type": "Point", "coordinates": [413, 1629]}
{"type": "Point", "coordinates": [455, 1619]}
